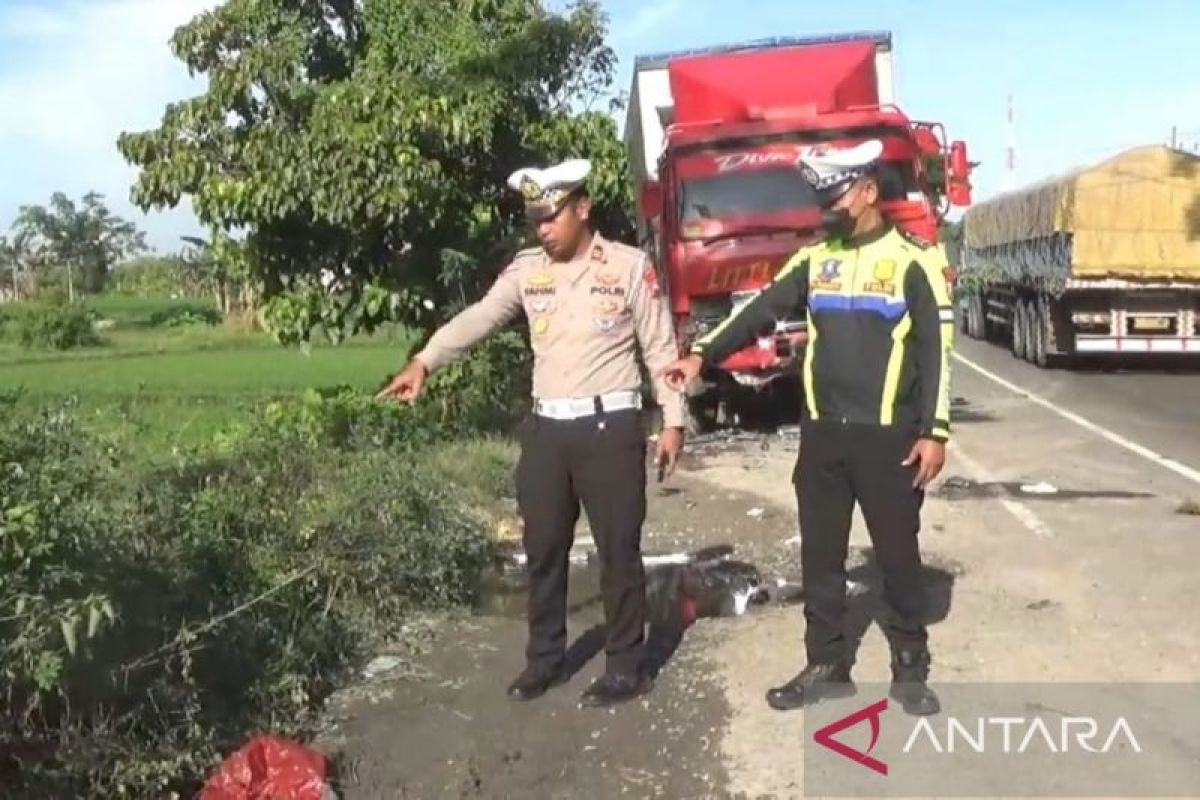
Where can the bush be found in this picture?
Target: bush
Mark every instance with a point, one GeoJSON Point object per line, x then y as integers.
{"type": "Point", "coordinates": [185, 313]}
{"type": "Point", "coordinates": [60, 327]}
{"type": "Point", "coordinates": [152, 620]}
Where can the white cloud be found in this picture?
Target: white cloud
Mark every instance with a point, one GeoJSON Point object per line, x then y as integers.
{"type": "Point", "coordinates": [73, 77]}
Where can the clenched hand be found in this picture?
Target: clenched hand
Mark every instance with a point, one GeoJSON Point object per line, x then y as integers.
{"type": "Point", "coordinates": [670, 443]}
{"type": "Point", "coordinates": [929, 455]}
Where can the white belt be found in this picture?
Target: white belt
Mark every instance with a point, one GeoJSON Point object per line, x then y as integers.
{"type": "Point", "coordinates": [578, 407]}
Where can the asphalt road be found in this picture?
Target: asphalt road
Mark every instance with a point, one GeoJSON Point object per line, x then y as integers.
{"type": "Point", "coordinates": [1156, 406]}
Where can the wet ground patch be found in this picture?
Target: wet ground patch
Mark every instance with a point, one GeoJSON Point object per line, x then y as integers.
{"type": "Point", "coordinates": [958, 488]}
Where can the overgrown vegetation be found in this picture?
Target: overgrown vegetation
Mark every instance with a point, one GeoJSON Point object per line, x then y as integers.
{"type": "Point", "coordinates": [202, 545]}
{"type": "Point", "coordinates": [59, 327]}
{"type": "Point", "coordinates": [153, 615]}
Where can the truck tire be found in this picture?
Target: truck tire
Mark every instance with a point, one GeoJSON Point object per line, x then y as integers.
{"type": "Point", "coordinates": [1030, 317]}
{"type": "Point", "coordinates": [1038, 334]}
{"type": "Point", "coordinates": [976, 317]}
{"type": "Point", "coordinates": [1019, 342]}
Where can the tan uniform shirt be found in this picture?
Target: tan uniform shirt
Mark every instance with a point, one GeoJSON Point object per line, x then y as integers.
{"type": "Point", "coordinates": [586, 319]}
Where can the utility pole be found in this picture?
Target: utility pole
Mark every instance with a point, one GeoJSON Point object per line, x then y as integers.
{"type": "Point", "coordinates": [1010, 173]}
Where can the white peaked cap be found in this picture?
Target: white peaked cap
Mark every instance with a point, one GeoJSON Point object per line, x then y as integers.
{"type": "Point", "coordinates": [545, 190]}
{"type": "Point", "coordinates": [827, 168]}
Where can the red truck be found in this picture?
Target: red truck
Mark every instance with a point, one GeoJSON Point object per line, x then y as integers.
{"type": "Point", "coordinates": [713, 137]}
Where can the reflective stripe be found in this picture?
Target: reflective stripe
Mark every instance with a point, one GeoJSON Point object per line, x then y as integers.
{"type": "Point", "coordinates": [891, 379]}
{"type": "Point", "coordinates": [942, 410]}
{"type": "Point", "coordinates": [810, 392]}
{"type": "Point", "coordinates": [946, 315]}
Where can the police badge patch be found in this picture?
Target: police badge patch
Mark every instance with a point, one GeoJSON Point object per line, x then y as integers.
{"type": "Point", "coordinates": [607, 325]}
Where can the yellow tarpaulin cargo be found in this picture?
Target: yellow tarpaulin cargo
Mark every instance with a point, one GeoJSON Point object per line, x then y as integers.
{"type": "Point", "coordinates": [1136, 215]}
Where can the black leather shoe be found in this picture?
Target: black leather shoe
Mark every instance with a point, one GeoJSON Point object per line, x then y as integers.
{"type": "Point", "coordinates": [910, 670]}
{"type": "Point", "coordinates": [616, 688]}
{"type": "Point", "coordinates": [815, 683]}
{"type": "Point", "coordinates": [533, 682]}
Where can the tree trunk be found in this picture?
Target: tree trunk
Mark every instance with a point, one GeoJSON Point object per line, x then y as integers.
{"type": "Point", "coordinates": [70, 284]}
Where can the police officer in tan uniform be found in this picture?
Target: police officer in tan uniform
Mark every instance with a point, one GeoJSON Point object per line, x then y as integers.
{"type": "Point", "coordinates": [590, 304]}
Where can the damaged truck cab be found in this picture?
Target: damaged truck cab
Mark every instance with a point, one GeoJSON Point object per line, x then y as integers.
{"type": "Point", "coordinates": [714, 137]}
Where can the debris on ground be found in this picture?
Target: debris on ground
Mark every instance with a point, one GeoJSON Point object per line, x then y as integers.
{"type": "Point", "coordinates": [1189, 507]}
{"type": "Point", "coordinates": [1039, 488]}
{"type": "Point", "coordinates": [269, 766]}
{"type": "Point", "coordinates": [757, 513]}
{"type": "Point", "coordinates": [380, 665]}
{"type": "Point", "coordinates": [1040, 605]}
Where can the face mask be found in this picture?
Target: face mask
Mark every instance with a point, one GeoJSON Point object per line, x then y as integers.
{"type": "Point", "coordinates": [838, 223]}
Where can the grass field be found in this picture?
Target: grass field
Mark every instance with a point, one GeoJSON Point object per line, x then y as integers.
{"type": "Point", "coordinates": [167, 387]}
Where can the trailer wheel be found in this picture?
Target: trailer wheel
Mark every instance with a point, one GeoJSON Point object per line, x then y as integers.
{"type": "Point", "coordinates": [1019, 328]}
{"type": "Point", "coordinates": [976, 317]}
{"type": "Point", "coordinates": [1038, 322]}
{"type": "Point", "coordinates": [1032, 329]}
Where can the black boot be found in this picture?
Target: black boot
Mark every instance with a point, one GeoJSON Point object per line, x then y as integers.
{"type": "Point", "coordinates": [815, 683]}
{"type": "Point", "coordinates": [534, 681]}
{"type": "Point", "coordinates": [910, 670]}
{"type": "Point", "coordinates": [615, 688]}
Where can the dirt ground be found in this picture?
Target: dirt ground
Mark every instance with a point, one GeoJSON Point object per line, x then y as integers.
{"type": "Point", "coordinates": [1084, 584]}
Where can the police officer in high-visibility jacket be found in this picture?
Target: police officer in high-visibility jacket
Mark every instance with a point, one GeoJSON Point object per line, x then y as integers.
{"type": "Point", "coordinates": [876, 378]}
{"type": "Point", "coordinates": [591, 305]}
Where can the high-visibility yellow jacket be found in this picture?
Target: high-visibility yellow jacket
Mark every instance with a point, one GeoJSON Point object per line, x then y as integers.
{"type": "Point", "coordinates": [880, 328]}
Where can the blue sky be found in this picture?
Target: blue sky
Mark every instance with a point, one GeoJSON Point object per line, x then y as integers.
{"type": "Point", "coordinates": [1090, 78]}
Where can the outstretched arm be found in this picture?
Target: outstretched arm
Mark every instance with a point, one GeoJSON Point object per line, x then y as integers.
{"type": "Point", "coordinates": [783, 296]}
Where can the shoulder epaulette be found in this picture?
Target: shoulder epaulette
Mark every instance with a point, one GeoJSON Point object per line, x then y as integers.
{"type": "Point", "coordinates": [521, 257]}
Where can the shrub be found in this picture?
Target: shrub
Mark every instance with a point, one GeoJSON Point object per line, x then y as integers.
{"type": "Point", "coordinates": [61, 327]}
{"type": "Point", "coordinates": [151, 620]}
{"type": "Point", "coordinates": [185, 313]}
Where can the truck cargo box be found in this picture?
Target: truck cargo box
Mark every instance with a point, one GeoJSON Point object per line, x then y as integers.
{"type": "Point", "coordinates": [760, 78]}
{"type": "Point", "coordinates": [1135, 216]}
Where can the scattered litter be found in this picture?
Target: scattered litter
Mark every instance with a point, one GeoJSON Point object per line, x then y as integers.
{"type": "Point", "coordinates": [856, 589]}
{"type": "Point", "coordinates": [793, 540]}
{"type": "Point", "coordinates": [1039, 488]}
{"type": "Point", "coordinates": [380, 666]}
{"type": "Point", "coordinates": [757, 513]}
{"type": "Point", "coordinates": [1189, 507]}
{"type": "Point", "coordinates": [1041, 604]}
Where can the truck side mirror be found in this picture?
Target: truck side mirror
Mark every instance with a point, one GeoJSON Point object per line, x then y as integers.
{"type": "Point", "coordinates": [652, 199]}
{"type": "Point", "coordinates": [958, 184]}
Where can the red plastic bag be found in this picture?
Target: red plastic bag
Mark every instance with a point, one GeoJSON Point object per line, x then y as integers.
{"type": "Point", "coordinates": [269, 768]}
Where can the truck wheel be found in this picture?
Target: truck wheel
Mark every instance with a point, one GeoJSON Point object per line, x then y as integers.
{"type": "Point", "coordinates": [1031, 331]}
{"type": "Point", "coordinates": [1019, 343]}
{"type": "Point", "coordinates": [1037, 333]}
{"type": "Point", "coordinates": [977, 320]}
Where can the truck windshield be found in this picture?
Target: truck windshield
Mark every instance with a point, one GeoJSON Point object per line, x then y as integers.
{"type": "Point", "coordinates": [748, 193]}
{"type": "Point", "coordinates": [745, 194]}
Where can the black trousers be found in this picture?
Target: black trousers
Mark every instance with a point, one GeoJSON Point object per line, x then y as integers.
{"type": "Point", "coordinates": [598, 461]}
{"type": "Point", "coordinates": [838, 465]}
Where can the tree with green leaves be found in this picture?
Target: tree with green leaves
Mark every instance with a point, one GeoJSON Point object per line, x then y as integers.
{"type": "Point", "coordinates": [363, 147]}
{"type": "Point", "coordinates": [21, 258]}
{"type": "Point", "coordinates": [85, 240]}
